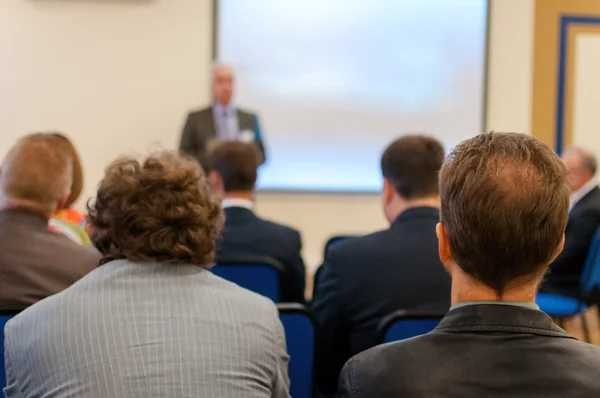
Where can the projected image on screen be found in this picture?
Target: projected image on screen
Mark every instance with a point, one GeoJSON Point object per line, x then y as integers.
{"type": "Point", "coordinates": [334, 81]}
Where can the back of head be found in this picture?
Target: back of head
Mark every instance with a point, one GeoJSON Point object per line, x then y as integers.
{"type": "Point", "coordinates": [161, 210]}
{"type": "Point", "coordinates": [411, 164]}
{"type": "Point", "coordinates": [236, 163]}
{"type": "Point", "coordinates": [504, 206]}
{"type": "Point", "coordinates": [36, 173]}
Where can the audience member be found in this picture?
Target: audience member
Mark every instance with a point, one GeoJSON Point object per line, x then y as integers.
{"type": "Point", "coordinates": [233, 176]}
{"type": "Point", "coordinates": [34, 261]}
{"type": "Point", "coordinates": [504, 209]}
{"type": "Point", "coordinates": [151, 321]}
{"type": "Point", "coordinates": [222, 121]}
{"type": "Point", "coordinates": [67, 220]}
{"type": "Point", "coordinates": [364, 279]}
{"type": "Point", "coordinates": [584, 219]}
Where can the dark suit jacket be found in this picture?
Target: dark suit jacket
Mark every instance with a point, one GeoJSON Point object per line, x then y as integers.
{"type": "Point", "coordinates": [199, 130]}
{"type": "Point", "coordinates": [364, 279]}
{"type": "Point", "coordinates": [491, 351]}
{"type": "Point", "coordinates": [36, 262]}
{"type": "Point", "coordinates": [584, 219]}
{"type": "Point", "coordinates": [245, 234]}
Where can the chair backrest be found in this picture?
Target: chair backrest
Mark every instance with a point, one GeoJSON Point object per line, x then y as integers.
{"type": "Point", "coordinates": [260, 275]}
{"type": "Point", "coordinates": [300, 331]}
{"type": "Point", "coordinates": [5, 316]}
{"type": "Point", "coordinates": [400, 325]}
{"type": "Point", "coordinates": [590, 277]}
{"type": "Point", "coordinates": [333, 240]}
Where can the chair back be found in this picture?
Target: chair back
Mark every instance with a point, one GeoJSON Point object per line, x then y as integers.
{"type": "Point", "coordinates": [590, 277]}
{"type": "Point", "coordinates": [300, 328]}
{"type": "Point", "coordinates": [334, 240]}
{"type": "Point", "coordinates": [401, 325]}
{"type": "Point", "coordinates": [5, 316]}
{"type": "Point", "coordinates": [260, 275]}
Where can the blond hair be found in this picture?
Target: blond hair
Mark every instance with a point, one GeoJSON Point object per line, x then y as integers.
{"type": "Point", "coordinates": [37, 173]}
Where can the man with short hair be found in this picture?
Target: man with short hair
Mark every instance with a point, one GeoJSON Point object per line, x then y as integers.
{"type": "Point", "coordinates": [504, 209]}
{"type": "Point", "coordinates": [222, 121]}
{"type": "Point", "coordinates": [584, 219]}
{"type": "Point", "coordinates": [364, 279]}
{"type": "Point", "coordinates": [35, 178]}
{"type": "Point", "coordinates": [233, 177]}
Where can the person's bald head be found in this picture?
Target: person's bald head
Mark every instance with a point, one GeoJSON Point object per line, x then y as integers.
{"type": "Point", "coordinates": [582, 167]}
{"type": "Point", "coordinates": [36, 174]}
{"type": "Point", "coordinates": [222, 84]}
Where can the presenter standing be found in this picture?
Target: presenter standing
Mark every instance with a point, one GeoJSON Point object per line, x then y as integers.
{"type": "Point", "coordinates": [222, 121]}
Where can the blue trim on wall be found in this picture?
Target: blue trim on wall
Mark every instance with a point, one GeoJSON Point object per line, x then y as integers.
{"type": "Point", "coordinates": [565, 21]}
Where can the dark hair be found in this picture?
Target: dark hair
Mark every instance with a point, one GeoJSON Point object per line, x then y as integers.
{"type": "Point", "coordinates": [412, 163]}
{"type": "Point", "coordinates": [159, 210]}
{"type": "Point", "coordinates": [236, 163]}
{"type": "Point", "coordinates": [504, 204]}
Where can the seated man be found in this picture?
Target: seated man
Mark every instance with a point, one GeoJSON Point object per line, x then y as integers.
{"type": "Point", "coordinates": [584, 219]}
{"type": "Point", "coordinates": [36, 262]}
{"type": "Point", "coordinates": [233, 176]}
{"type": "Point", "coordinates": [364, 279]}
{"type": "Point", "coordinates": [505, 203]}
{"type": "Point", "coordinates": [151, 321]}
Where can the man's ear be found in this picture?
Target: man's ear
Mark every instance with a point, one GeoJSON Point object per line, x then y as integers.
{"type": "Point", "coordinates": [388, 190]}
{"type": "Point", "coordinates": [215, 181]}
{"type": "Point", "coordinates": [444, 246]}
{"type": "Point", "coordinates": [63, 201]}
{"type": "Point", "coordinates": [559, 249]}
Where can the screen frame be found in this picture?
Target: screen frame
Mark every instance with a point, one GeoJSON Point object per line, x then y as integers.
{"type": "Point", "coordinates": [484, 117]}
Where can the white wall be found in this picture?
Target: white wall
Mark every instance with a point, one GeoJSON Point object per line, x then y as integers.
{"type": "Point", "coordinates": [119, 75]}
{"type": "Point", "coordinates": [116, 76]}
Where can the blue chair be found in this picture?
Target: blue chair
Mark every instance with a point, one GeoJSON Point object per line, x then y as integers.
{"type": "Point", "coordinates": [402, 324]}
{"type": "Point", "coordinates": [5, 316]}
{"type": "Point", "coordinates": [334, 240]}
{"type": "Point", "coordinates": [560, 307]}
{"type": "Point", "coordinates": [260, 275]}
{"type": "Point", "coordinates": [300, 330]}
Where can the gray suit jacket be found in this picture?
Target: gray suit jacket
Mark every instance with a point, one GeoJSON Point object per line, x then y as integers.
{"type": "Point", "coordinates": [36, 262]}
{"type": "Point", "coordinates": [148, 330]}
{"type": "Point", "coordinates": [199, 130]}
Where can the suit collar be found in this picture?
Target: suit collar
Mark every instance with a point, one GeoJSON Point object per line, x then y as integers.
{"type": "Point", "coordinates": [581, 193]}
{"type": "Point", "coordinates": [416, 213]}
{"type": "Point", "coordinates": [499, 318]}
{"type": "Point", "coordinates": [234, 214]}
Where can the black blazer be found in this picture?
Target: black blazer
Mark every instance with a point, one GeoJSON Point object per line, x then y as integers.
{"type": "Point", "coordinates": [245, 234]}
{"type": "Point", "coordinates": [565, 271]}
{"type": "Point", "coordinates": [364, 279]}
{"type": "Point", "coordinates": [199, 130]}
{"type": "Point", "coordinates": [479, 351]}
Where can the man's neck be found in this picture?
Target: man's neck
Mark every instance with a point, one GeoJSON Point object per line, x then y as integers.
{"type": "Point", "coordinates": [28, 207]}
{"type": "Point", "coordinates": [466, 289]}
{"type": "Point", "coordinates": [403, 205]}
{"type": "Point", "coordinates": [238, 195]}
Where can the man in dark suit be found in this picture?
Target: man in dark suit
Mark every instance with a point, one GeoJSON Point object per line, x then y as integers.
{"type": "Point", "coordinates": [364, 279]}
{"type": "Point", "coordinates": [233, 176]}
{"type": "Point", "coordinates": [35, 262]}
{"type": "Point", "coordinates": [584, 219]}
{"type": "Point", "coordinates": [222, 121]}
{"type": "Point", "coordinates": [504, 209]}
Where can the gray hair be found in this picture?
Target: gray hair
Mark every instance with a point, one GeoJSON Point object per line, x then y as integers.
{"type": "Point", "coordinates": [587, 159]}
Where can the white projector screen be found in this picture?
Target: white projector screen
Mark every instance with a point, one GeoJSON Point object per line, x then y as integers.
{"type": "Point", "coordinates": [335, 81]}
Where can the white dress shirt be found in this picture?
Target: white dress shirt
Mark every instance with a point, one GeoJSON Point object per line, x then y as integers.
{"type": "Point", "coordinates": [237, 202]}
{"type": "Point", "coordinates": [581, 192]}
{"type": "Point", "coordinates": [226, 122]}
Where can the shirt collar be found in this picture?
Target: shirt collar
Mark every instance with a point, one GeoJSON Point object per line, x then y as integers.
{"type": "Point", "coordinates": [532, 306]}
{"type": "Point", "coordinates": [220, 109]}
{"type": "Point", "coordinates": [237, 202]}
{"type": "Point", "coordinates": [581, 192]}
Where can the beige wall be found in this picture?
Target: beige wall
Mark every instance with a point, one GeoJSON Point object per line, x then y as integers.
{"type": "Point", "coordinates": [115, 75]}
{"type": "Point", "coordinates": [118, 76]}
